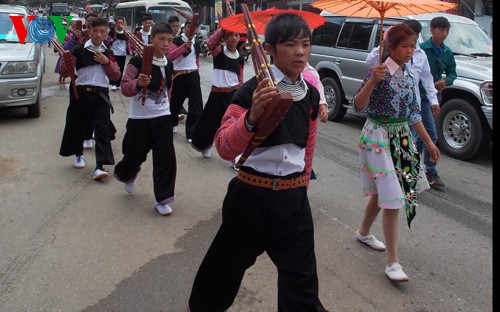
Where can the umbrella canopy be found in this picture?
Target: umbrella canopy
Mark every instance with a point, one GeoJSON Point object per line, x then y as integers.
{"type": "Point", "coordinates": [381, 8]}
{"type": "Point", "coordinates": [236, 23]}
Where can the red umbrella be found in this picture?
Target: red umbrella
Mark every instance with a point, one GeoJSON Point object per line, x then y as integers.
{"type": "Point", "coordinates": [236, 23]}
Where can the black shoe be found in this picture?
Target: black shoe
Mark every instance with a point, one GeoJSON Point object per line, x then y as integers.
{"type": "Point", "coordinates": [435, 181]}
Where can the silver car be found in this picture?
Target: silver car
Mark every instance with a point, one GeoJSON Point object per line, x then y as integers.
{"type": "Point", "coordinates": [21, 65]}
{"type": "Point", "coordinates": [339, 50]}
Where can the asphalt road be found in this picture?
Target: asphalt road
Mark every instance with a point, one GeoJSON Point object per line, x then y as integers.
{"type": "Point", "coordinates": [69, 243]}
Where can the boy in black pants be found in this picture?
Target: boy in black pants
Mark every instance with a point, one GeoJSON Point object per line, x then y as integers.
{"type": "Point", "coordinates": [149, 127]}
{"type": "Point", "coordinates": [259, 215]}
{"type": "Point", "coordinates": [94, 65]}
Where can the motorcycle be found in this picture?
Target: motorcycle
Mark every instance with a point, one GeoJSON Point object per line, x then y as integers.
{"type": "Point", "coordinates": [245, 50]}
{"type": "Point", "coordinates": [204, 48]}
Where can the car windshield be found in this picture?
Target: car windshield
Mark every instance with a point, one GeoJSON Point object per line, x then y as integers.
{"type": "Point", "coordinates": [7, 30]}
{"type": "Point", "coordinates": [161, 13]}
{"type": "Point", "coordinates": [466, 39]}
{"type": "Point", "coordinates": [61, 10]}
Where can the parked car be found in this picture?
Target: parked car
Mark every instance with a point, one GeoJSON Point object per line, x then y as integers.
{"type": "Point", "coordinates": [21, 65]}
{"type": "Point", "coordinates": [339, 50]}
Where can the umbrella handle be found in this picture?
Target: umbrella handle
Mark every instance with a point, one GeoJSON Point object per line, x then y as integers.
{"type": "Point", "coordinates": [381, 37]}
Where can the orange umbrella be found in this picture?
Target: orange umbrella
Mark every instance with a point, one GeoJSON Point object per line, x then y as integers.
{"type": "Point", "coordinates": [381, 8]}
{"type": "Point", "coordinates": [236, 23]}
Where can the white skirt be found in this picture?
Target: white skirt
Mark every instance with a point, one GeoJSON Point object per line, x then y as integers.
{"type": "Point", "coordinates": [389, 175]}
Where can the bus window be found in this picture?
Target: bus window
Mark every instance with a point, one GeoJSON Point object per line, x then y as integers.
{"type": "Point", "coordinates": [161, 11]}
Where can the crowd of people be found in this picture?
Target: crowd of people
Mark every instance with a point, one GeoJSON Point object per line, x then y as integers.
{"type": "Point", "coordinates": [277, 172]}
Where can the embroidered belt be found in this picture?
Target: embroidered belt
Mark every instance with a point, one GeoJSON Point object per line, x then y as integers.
{"type": "Point", "coordinates": [184, 71]}
{"type": "Point", "coordinates": [274, 184]}
{"type": "Point", "coordinates": [224, 89]}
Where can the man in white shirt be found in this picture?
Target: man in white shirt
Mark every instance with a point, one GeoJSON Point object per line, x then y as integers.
{"type": "Point", "coordinates": [420, 69]}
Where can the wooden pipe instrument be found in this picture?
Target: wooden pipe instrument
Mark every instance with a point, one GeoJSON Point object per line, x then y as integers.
{"type": "Point", "coordinates": [187, 16]}
{"type": "Point", "coordinates": [67, 68]}
{"type": "Point", "coordinates": [147, 65]}
{"type": "Point", "coordinates": [193, 19]}
{"type": "Point", "coordinates": [194, 25]}
{"type": "Point", "coordinates": [146, 52]}
{"type": "Point", "coordinates": [281, 102]}
{"type": "Point", "coordinates": [138, 44]}
{"type": "Point", "coordinates": [75, 28]}
{"type": "Point", "coordinates": [229, 9]}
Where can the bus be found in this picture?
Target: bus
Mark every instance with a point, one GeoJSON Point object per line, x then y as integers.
{"type": "Point", "coordinates": [161, 10]}
{"type": "Point", "coordinates": [59, 9]}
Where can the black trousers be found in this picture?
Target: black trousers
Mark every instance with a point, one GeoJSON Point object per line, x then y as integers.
{"type": "Point", "coordinates": [120, 60]}
{"type": "Point", "coordinates": [92, 108]}
{"type": "Point", "coordinates": [187, 86]}
{"type": "Point", "coordinates": [142, 136]}
{"type": "Point", "coordinates": [209, 122]}
{"type": "Point", "coordinates": [255, 220]}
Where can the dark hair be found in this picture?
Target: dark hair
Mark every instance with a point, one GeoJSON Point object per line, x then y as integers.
{"type": "Point", "coordinates": [91, 14]}
{"type": "Point", "coordinates": [440, 22]}
{"type": "Point", "coordinates": [398, 33]}
{"type": "Point", "coordinates": [414, 25]}
{"type": "Point", "coordinates": [119, 18]}
{"type": "Point", "coordinates": [161, 28]}
{"type": "Point", "coordinates": [284, 27]}
{"type": "Point", "coordinates": [146, 17]}
{"type": "Point", "coordinates": [98, 21]}
{"type": "Point", "coordinates": [172, 19]}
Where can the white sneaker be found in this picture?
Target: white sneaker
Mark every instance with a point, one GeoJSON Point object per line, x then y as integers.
{"type": "Point", "coordinates": [233, 165]}
{"type": "Point", "coordinates": [113, 88]}
{"type": "Point", "coordinates": [164, 210]}
{"type": "Point", "coordinates": [87, 144]}
{"type": "Point", "coordinates": [395, 273]}
{"type": "Point", "coordinates": [174, 129]}
{"type": "Point", "coordinates": [371, 241]}
{"type": "Point", "coordinates": [79, 162]}
{"type": "Point", "coordinates": [130, 187]}
{"type": "Point", "coordinates": [100, 174]}
{"type": "Point", "coordinates": [206, 154]}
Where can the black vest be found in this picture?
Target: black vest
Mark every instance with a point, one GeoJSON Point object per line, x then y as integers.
{"type": "Point", "coordinates": [294, 128]}
{"type": "Point", "coordinates": [157, 81]}
{"type": "Point", "coordinates": [222, 61]}
{"type": "Point", "coordinates": [85, 58]}
{"type": "Point", "coordinates": [178, 41]}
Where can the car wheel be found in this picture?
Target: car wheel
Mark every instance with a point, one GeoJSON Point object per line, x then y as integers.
{"type": "Point", "coordinates": [461, 132]}
{"type": "Point", "coordinates": [34, 109]}
{"type": "Point", "coordinates": [334, 99]}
